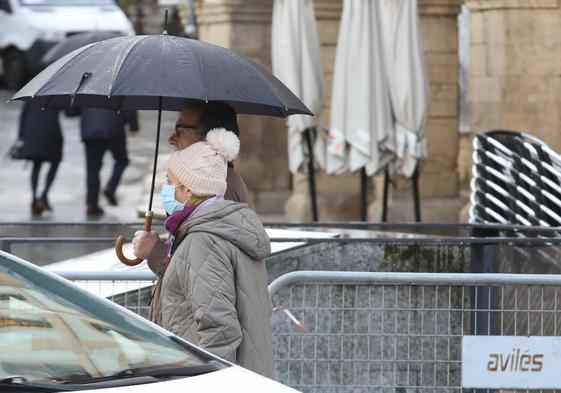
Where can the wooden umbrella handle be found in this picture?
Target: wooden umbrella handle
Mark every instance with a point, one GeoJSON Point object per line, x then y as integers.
{"type": "Point", "coordinates": [121, 240]}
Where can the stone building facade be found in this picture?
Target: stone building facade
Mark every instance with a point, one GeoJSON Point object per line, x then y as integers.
{"type": "Point", "coordinates": [514, 83]}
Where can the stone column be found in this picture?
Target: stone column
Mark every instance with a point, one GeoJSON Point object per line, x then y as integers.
{"type": "Point", "coordinates": [245, 27]}
{"type": "Point", "coordinates": [515, 67]}
{"type": "Point", "coordinates": [439, 178]}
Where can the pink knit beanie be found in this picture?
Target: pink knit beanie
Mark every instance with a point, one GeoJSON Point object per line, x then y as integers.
{"type": "Point", "coordinates": [202, 167]}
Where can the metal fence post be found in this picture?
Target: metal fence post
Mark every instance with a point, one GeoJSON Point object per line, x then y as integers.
{"type": "Point", "coordinates": [6, 245]}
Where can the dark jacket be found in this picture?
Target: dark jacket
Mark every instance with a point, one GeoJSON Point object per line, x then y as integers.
{"type": "Point", "coordinates": [39, 129]}
{"type": "Point", "coordinates": [96, 123]}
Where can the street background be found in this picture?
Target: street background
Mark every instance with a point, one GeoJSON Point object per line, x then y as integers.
{"type": "Point", "coordinates": [67, 195]}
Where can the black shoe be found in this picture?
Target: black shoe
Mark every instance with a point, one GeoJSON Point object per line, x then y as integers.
{"type": "Point", "coordinates": [36, 208]}
{"type": "Point", "coordinates": [45, 203]}
{"type": "Point", "coordinates": [110, 195]}
{"type": "Point", "coordinates": [94, 211]}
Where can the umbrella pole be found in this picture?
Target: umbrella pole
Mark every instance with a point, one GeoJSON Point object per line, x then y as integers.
{"type": "Point", "coordinates": [311, 174]}
{"type": "Point", "coordinates": [416, 199]}
{"type": "Point", "coordinates": [363, 194]}
{"type": "Point", "coordinates": [149, 214]}
{"type": "Point", "coordinates": [385, 198]}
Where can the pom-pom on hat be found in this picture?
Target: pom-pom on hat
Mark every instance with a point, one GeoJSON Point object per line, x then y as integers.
{"type": "Point", "coordinates": [202, 167]}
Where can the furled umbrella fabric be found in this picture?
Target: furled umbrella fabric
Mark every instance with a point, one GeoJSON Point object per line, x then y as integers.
{"type": "Point", "coordinates": [407, 78]}
{"type": "Point", "coordinates": [361, 129]}
{"type": "Point", "coordinates": [297, 63]}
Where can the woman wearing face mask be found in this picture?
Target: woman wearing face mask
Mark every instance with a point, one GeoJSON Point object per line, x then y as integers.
{"type": "Point", "coordinates": [212, 289]}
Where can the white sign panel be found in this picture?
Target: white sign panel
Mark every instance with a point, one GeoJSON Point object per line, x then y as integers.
{"type": "Point", "coordinates": [509, 362]}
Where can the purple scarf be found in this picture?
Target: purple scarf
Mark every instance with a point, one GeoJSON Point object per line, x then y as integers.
{"type": "Point", "coordinates": [174, 221]}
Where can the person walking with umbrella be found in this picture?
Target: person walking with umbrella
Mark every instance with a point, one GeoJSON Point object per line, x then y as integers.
{"type": "Point", "coordinates": [214, 290]}
{"type": "Point", "coordinates": [113, 74]}
{"type": "Point", "coordinates": [41, 137]}
{"type": "Point", "coordinates": [192, 126]}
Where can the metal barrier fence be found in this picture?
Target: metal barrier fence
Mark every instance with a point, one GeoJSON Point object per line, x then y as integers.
{"type": "Point", "coordinates": [399, 332]}
{"type": "Point", "coordinates": [129, 289]}
{"type": "Point", "coordinates": [378, 332]}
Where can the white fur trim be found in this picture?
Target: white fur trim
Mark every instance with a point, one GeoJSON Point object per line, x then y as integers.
{"type": "Point", "coordinates": [224, 142]}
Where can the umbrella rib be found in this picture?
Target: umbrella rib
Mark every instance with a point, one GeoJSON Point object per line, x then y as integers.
{"type": "Point", "coordinates": [125, 59]}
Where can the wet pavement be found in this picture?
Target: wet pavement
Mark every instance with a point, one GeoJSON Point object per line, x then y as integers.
{"type": "Point", "coordinates": [67, 195]}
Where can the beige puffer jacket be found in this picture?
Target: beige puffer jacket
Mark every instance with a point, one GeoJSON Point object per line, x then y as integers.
{"type": "Point", "coordinates": [214, 291]}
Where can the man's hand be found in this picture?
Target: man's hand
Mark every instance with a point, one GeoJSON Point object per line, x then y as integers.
{"type": "Point", "coordinates": [143, 243]}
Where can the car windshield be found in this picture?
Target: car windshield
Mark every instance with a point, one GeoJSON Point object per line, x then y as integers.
{"type": "Point", "coordinates": [66, 2]}
{"type": "Point", "coordinates": [52, 331]}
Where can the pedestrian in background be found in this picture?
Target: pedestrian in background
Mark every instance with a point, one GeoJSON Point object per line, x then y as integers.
{"type": "Point", "coordinates": [104, 130]}
{"type": "Point", "coordinates": [41, 139]}
{"type": "Point", "coordinates": [213, 282]}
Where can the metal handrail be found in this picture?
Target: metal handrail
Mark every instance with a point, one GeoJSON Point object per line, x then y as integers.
{"type": "Point", "coordinates": [338, 277]}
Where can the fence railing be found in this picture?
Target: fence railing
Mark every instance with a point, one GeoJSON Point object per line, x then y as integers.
{"type": "Point", "coordinates": [131, 289]}
{"type": "Point", "coordinates": [375, 331]}
{"type": "Point", "coordinates": [399, 332]}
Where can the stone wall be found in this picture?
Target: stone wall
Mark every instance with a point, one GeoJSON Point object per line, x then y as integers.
{"type": "Point", "coordinates": [245, 27]}
{"type": "Point", "coordinates": [515, 68]}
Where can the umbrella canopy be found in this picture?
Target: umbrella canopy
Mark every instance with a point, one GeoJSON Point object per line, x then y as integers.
{"type": "Point", "coordinates": [74, 42]}
{"type": "Point", "coordinates": [160, 72]}
{"type": "Point", "coordinates": [297, 63]}
{"type": "Point", "coordinates": [407, 79]}
{"type": "Point", "coordinates": [361, 129]}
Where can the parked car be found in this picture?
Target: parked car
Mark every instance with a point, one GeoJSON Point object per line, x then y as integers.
{"type": "Point", "coordinates": [57, 337]}
{"type": "Point", "coordinates": [28, 28]}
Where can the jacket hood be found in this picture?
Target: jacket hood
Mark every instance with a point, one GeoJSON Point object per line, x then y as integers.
{"type": "Point", "coordinates": [234, 222]}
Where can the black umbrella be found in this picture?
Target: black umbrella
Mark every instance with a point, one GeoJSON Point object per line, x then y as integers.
{"type": "Point", "coordinates": [159, 72]}
{"type": "Point", "coordinates": [74, 42]}
{"type": "Point", "coordinates": [137, 72]}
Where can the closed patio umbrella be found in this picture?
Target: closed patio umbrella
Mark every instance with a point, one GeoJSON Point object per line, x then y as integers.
{"type": "Point", "coordinates": [297, 63]}
{"type": "Point", "coordinates": [361, 128]}
{"type": "Point", "coordinates": [407, 80]}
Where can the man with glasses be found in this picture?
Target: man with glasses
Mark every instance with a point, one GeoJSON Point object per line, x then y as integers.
{"type": "Point", "coordinates": [195, 121]}
{"type": "Point", "coordinates": [192, 126]}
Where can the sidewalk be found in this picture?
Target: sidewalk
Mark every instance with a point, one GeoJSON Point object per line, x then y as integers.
{"type": "Point", "coordinates": [67, 195]}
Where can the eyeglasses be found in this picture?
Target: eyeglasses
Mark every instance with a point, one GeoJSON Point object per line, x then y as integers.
{"type": "Point", "coordinates": [178, 128]}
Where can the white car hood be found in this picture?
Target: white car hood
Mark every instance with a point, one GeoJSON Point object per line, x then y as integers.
{"type": "Point", "coordinates": [232, 379]}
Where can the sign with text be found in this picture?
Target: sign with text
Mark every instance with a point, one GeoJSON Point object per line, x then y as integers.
{"type": "Point", "coordinates": [511, 362]}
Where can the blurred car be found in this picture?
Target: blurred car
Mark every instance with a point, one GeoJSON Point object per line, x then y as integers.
{"type": "Point", "coordinates": [28, 28]}
{"type": "Point", "coordinates": [57, 337]}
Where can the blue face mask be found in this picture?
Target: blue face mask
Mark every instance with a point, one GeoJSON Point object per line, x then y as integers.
{"type": "Point", "coordinates": [169, 203]}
